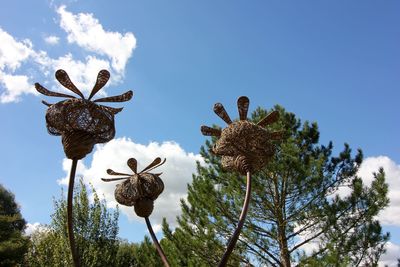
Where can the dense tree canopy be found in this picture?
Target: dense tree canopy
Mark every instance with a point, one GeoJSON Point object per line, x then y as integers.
{"type": "Point", "coordinates": [13, 244]}
{"type": "Point", "coordinates": [299, 212]}
{"type": "Point", "coordinates": [96, 231]}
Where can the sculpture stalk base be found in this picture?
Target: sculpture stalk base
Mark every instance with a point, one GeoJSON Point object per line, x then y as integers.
{"type": "Point", "coordinates": [236, 233]}
{"type": "Point", "coordinates": [155, 241]}
{"type": "Point", "coordinates": [71, 237]}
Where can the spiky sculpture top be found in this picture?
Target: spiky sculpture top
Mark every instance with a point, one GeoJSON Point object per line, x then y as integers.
{"type": "Point", "coordinates": [140, 189]}
{"type": "Point", "coordinates": [81, 122]}
{"type": "Point", "coordinates": [243, 145]}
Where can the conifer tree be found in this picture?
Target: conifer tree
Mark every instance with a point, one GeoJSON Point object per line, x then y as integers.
{"type": "Point", "coordinates": [13, 244]}
{"type": "Point", "coordinates": [297, 202]}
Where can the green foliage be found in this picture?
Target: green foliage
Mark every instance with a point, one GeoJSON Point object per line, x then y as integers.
{"type": "Point", "coordinates": [180, 251]}
{"type": "Point", "coordinates": [95, 230]}
{"type": "Point", "coordinates": [13, 244]}
{"type": "Point", "coordinates": [137, 255]}
{"type": "Point", "coordinates": [126, 255]}
{"type": "Point", "coordinates": [295, 201]}
{"type": "Point", "coordinates": [146, 254]}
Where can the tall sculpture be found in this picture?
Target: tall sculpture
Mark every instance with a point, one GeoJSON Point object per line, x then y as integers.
{"type": "Point", "coordinates": [140, 190]}
{"type": "Point", "coordinates": [82, 123]}
{"type": "Point", "coordinates": [244, 147]}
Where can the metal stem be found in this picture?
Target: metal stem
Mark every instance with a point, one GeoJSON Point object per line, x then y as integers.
{"type": "Point", "coordinates": [155, 241]}
{"type": "Point", "coordinates": [236, 233]}
{"type": "Point", "coordinates": [71, 237]}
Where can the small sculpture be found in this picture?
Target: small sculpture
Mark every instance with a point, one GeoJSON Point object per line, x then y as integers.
{"type": "Point", "coordinates": [140, 190]}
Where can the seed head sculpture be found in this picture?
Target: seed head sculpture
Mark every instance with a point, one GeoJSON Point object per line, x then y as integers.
{"type": "Point", "coordinates": [243, 145]}
{"type": "Point", "coordinates": [140, 190]}
{"type": "Point", "coordinates": [82, 123]}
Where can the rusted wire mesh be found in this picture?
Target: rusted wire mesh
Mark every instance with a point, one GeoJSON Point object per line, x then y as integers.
{"type": "Point", "coordinates": [145, 185]}
{"type": "Point", "coordinates": [243, 145]}
{"type": "Point", "coordinates": [246, 139]}
{"type": "Point", "coordinates": [81, 122]}
{"type": "Point", "coordinates": [140, 189]}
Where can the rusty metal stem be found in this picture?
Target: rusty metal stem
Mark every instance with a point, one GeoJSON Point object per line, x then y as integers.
{"type": "Point", "coordinates": [155, 241]}
{"type": "Point", "coordinates": [236, 233]}
{"type": "Point", "coordinates": [71, 237]}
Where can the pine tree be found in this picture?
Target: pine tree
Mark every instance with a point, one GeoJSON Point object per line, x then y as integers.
{"type": "Point", "coordinates": [13, 244]}
{"type": "Point", "coordinates": [295, 203]}
{"type": "Point", "coordinates": [96, 231]}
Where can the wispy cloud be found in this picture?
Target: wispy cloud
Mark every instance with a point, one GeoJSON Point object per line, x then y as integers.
{"type": "Point", "coordinates": [390, 215]}
{"type": "Point", "coordinates": [82, 72]}
{"type": "Point", "coordinates": [15, 85]}
{"type": "Point", "coordinates": [104, 50]}
{"type": "Point", "coordinates": [87, 32]}
{"type": "Point", "coordinates": [52, 40]}
{"type": "Point", "coordinates": [370, 165]}
{"type": "Point", "coordinates": [12, 54]}
{"type": "Point", "coordinates": [391, 255]}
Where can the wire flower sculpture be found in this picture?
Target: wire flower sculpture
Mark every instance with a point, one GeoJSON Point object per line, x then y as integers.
{"type": "Point", "coordinates": [245, 147]}
{"type": "Point", "coordinates": [82, 123]}
{"type": "Point", "coordinates": [140, 190]}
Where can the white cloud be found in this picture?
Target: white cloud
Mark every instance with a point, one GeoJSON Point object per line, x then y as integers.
{"type": "Point", "coordinates": [103, 50]}
{"type": "Point", "coordinates": [66, 166]}
{"type": "Point", "coordinates": [15, 85]}
{"type": "Point", "coordinates": [156, 228]}
{"type": "Point", "coordinates": [390, 257]}
{"type": "Point", "coordinates": [177, 173]}
{"type": "Point", "coordinates": [33, 228]}
{"type": "Point", "coordinates": [13, 52]}
{"type": "Point", "coordinates": [86, 31]}
{"type": "Point", "coordinates": [82, 73]}
{"type": "Point", "coordinates": [390, 215]}
{"type": "Point", "coordinates": [52, 39]}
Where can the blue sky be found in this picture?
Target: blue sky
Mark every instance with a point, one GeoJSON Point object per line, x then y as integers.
{"type": "Point", "coordinates": [334, 62]}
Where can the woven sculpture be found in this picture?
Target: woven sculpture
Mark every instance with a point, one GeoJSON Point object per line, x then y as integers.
{"type": "Point", "coordinates": [82, 123]}
{"type": "Point", "coordinates": [140, 189]}
{"type": "Point", "coordinates": [243, 145]}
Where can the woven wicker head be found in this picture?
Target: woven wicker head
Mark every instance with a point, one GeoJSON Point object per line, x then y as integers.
{"type": "Point", "coordinates": [140, 189]}
{"type": "Point", "coordinates": [81, 122]}
{"type": "Point", "coordinates": [243, 145]}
